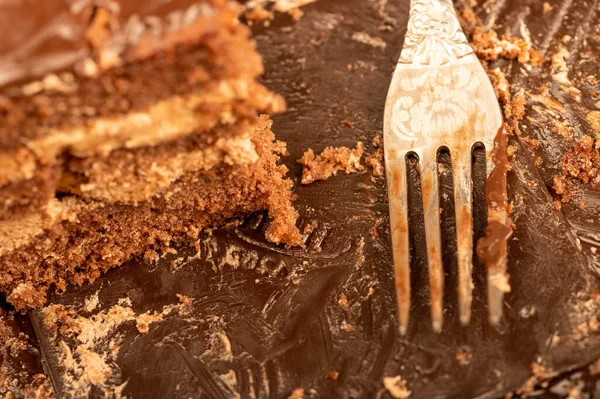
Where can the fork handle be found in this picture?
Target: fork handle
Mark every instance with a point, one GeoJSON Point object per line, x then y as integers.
{"type": "Point", "coordinates": [434, 35]}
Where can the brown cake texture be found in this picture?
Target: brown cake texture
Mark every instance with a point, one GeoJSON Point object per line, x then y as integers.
{"type": "Point", "coordinates": [126, 126]}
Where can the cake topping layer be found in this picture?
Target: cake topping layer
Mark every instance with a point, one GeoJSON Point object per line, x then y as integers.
{"type": "Point", "coordinates": [40, 39]}
{"type": "Point", "coordinates": [135, 176]}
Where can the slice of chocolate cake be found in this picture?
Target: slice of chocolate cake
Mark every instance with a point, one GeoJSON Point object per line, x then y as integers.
{"type": "Point", "coordinates": [126, 126]}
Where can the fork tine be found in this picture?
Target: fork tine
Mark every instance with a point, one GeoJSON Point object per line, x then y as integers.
{"type": "Point", "coordinates": [463, 197]}
{"type": "Point", "coordinates": [398, 204]}
{"type": "Point", "coordinates": [497, 279]}
{"type": "Point", "coordinates": [431, 206]}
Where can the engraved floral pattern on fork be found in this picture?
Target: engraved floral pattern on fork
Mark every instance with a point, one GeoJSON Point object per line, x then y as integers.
{"type": "Point", "coordinates": [435, 103]}
{"type": "Point", "coordinates": [434, 35]}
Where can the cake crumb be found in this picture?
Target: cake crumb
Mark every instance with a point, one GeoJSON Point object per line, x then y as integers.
{"type": "Point", "coordinates": [396, 386]}
{"type": "Point", "coordinates": [330, 161]}
{"type": "Point", "coordinates": [581, 163]}
{"type": "Point", "coordinates": [489, 46]}
{"type": "Point", "coordinates": [365, 38]}
{"type": "Point", "coordinates": [593, 118]}
{"type": "Point", "coordinates": [258, 14]}
{"type": "Point", "coordinates": [26, 296]}
{"type": "Point", "coordinates": [91, 303]}
{"type": "Point", "coordinates": [260, 10]}
{"type": "Point", "coordinates": [464, 356]}
{"type": "Point", "coordinates": [96, 370]}
{"type": "Point", "coordinates": [348, 122]}
{"type": "Point", "coordinates": [375, 160]}
{"type": "Point", "coordinates": [332, 375]}
{"type": "Point", "coordinates": [343, 302]}
{"type": "Point", "coordinates": [547, 7]}
{"type": "Point", "coordinates": [297, 393]}
{"type": "Point", "coordinates": [143, 321]}
{"type": "Point", "coordinates": [533, 143]}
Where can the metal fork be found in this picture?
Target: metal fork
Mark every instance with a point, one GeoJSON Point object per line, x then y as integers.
{"type": "Point", "coordinates": [441, 97]}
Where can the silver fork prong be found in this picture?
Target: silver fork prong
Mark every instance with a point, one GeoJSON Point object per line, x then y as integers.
{"type": "Point", "coordinates": [431, 206]}
{"type": "Point", "coordinates": [463, 200]}
{"type": "Point", "coordinates": [397, 189]}
{"type": "Point", "coordinates": [497, 279]}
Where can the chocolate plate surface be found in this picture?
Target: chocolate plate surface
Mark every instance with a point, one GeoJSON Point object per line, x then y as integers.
{"type": "Point", "coordinates": [265, 321]}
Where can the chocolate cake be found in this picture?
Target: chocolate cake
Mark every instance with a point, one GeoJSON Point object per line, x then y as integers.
{"type": "Point", "coordinates": [126, 126]}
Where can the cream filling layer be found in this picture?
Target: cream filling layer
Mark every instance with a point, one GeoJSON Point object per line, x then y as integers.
{"type": "Point", "coordinates": [112, 186]}
{"type": "Point", "coordinates": [164, 121]}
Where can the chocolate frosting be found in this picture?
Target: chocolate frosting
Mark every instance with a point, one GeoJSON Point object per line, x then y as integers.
{"type": "Point", "coordinates": [37, 39]}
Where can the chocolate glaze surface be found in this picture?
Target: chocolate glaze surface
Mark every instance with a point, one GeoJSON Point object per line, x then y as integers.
{"type": "Point", "coordinates": [292, 317]}
{"type": "Point", "coordinates": [37, 40]}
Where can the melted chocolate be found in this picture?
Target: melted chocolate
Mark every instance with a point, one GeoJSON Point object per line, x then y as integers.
{"type": "Point", "coordinates": [495, 187]}
{"type": "Point", "coordinates": [491, 249]}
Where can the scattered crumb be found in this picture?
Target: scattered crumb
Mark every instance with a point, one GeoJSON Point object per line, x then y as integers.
{"type": "Point", "coordinates": [511, 150]}
{"type": "Point", "coordinates": [349, 328]}
{"type": "Point", "coordinates": [538, 161]}
{"type": "Point", "coordinates": [539, 374]}
{"type": "Point", "coordinates": [258, 14]}
{"type": "Point", "coordinates": [396, 386]}
{"type": "Point", "coordinates": [343, 302]}
{"type": "Point", "coordinates": [375, 160]}
{"type": "Point", "coordinates": [365, 38]}
{"type": "Point", "coordinates": [464, 356]}
{"type": "Point", "coordinates": [533, 143]}
{"type": "Point", "coordinates": [593, 119]}
{"type": "Point", "coordinates": [91, 303]}
{"type": "Point", "coordinates": [143, 321]}
{"type": "Point", "coordinates": [559, 65]}
{"type": "Point", "coordinates": [96, 371]}
{"type": "Point", "coordinates": [547, 7]}
{"type": "Point", "coordinates": [296, 14]}
{"type": "Point", "coordinates": [582, 163]}
{"type": "Point", "coordinates": [260, 10]}
{"type": "Point", "coordinates": [501, 85]}
{"type": "Point", "coordinates": [310, 227]}
{"type": "Point", "coordinates": [489, 46]}
{"type": "Point", "coordinates": [517, 106]}
{"type": "Point", "coordinates": [330, 161]}
{"type": "Point", "coordinates": [288, 5]}
{"type": "Point", "coordinates": [349, 123]}
{"type": "Point", "coordinates": [298, 393]}
{"type": "Point", "coordinates": [332, 375]}
{"type": "Point", "coordinates": [184, 299]}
